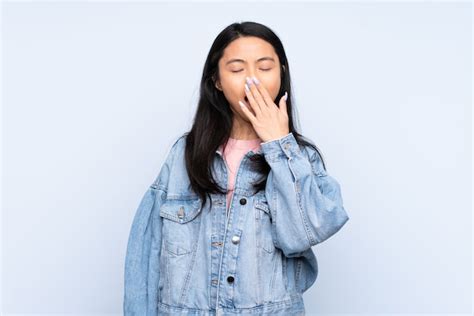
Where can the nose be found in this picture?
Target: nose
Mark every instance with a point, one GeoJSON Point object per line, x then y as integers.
{"type": "Point", "coordinates": [249, 78]}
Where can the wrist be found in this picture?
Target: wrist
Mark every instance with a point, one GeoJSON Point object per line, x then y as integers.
{"type": "Point", "coordinates": [275, 138]}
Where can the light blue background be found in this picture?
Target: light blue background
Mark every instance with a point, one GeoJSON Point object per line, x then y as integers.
{"type": "Point", "coordinates": [95, 93]}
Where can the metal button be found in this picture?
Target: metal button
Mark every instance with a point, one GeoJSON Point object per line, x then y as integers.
{"type": "Point", "coordinates": [230, 279]}
{"type": "Point", "coordinates": [235, 239]}
{"type": "Point", "coordinates": [243, 201]}
{"type": "Point", "coordinates": [181, 212]}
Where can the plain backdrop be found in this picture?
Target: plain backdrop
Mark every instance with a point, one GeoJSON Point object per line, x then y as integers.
{"type": "Point", "coordinates": [94, 93]}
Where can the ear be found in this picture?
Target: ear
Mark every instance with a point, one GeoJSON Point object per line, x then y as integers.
{"type": "Point", "coordinates": [217, 83]}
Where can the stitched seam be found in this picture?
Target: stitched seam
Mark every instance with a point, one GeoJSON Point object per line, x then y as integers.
{"type": "Point", "coordinates": [309, 237]}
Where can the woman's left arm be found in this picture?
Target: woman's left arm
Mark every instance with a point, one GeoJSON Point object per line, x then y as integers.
{"type": "Point", "coordinates": [305, 202]}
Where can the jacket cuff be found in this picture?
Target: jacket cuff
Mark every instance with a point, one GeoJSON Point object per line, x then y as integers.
{"type": "Point", "coordinates": [284, 146]}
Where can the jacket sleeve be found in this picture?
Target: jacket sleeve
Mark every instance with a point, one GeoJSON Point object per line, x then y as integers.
{"type": "Point", "coordinates": [142, 275]}
{"type": "Point", "coordinates": [305, 202]}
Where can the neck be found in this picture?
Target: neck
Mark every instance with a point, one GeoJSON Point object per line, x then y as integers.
{"type": "Point", "coordinates": [242, 129]}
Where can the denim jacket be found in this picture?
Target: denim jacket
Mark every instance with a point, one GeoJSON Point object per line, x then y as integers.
{"type": "Point", "coordinates": [255, 259]}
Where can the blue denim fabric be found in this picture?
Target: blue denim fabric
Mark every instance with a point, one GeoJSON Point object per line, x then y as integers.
{"type": "Point", "coordinates": [255, 260]}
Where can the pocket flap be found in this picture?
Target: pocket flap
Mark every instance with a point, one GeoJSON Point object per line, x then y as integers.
{"type": "Point", "coordinates": [263, 207]}
{"type": "Point", "coordinates": [180, 210]}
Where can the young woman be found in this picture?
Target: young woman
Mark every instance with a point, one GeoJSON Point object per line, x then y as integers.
{"type": "Point", "coordinates": [228, 224]}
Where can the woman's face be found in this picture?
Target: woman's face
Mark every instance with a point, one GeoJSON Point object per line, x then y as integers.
{"type": "Point", "coordinates": [248, 57]}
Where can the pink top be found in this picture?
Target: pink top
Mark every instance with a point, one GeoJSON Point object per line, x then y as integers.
{"type": "Point", "coordinates": [234, 152]}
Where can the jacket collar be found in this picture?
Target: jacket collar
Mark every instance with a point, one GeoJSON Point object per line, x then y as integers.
{"type": "Point", "coordinates": [258, 151]}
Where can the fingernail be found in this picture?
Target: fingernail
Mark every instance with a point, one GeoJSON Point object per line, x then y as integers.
{"type": "Point", "coordinates": [256, 80]}
{"type": "Point", "coordinates": [247, 87]}
{"type": "Point", "coordinates": [286, 95]}
{"type": "Point", "coordinates": [241, 103]}
{"type": "Point", "coordinates": [249, 81]}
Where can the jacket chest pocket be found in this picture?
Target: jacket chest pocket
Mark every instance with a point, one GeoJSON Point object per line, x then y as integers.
{"type": "Point", "coordinates": [264, 226]}
{"type": "Point", "coordinates": [181, 225]}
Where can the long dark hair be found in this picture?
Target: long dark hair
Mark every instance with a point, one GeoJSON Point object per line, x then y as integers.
{"type": "Point", "coordinates": [212, 123]}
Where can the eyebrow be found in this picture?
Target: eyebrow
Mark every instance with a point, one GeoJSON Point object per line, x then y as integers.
{"type": "Point", "coordinates": [243, 61]}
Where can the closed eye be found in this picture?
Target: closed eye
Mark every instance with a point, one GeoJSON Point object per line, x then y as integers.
{"type": "Point", "coordinates": [260, 69]}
